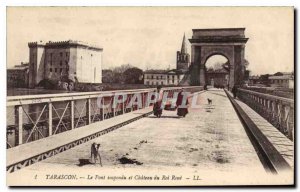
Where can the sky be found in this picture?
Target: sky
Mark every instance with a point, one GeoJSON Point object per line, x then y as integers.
{"type": "Point", "coordinates": [148, 37]}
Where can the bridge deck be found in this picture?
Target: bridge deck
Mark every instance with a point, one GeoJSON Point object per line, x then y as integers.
{"type": "Point", "coordinates": [210, 138]}
{"type": "Point", "coordinates": [25, 151]}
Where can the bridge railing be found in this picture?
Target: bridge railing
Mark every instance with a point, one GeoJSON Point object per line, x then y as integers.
{"type": "Point", "coordinates": [279, 111]}
{"type": "Point", "coordinates": [34, 117]}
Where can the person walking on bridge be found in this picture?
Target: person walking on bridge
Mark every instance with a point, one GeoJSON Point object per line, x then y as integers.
{"type": "Point", "coordinates": [157, 107]}
{"type": "Point", "coordinates": [234, 90]}
{"type": "Point", "coordinates": [182, 104]}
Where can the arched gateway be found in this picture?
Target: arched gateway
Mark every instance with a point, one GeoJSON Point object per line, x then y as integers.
{"type": "Point", "coordinates": [229, 42]}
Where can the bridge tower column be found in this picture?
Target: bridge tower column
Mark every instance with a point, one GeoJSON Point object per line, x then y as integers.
{"type": "Point", "coordinates": [239, 68]}
{"type": "Point", "coordinates": [202, 75]}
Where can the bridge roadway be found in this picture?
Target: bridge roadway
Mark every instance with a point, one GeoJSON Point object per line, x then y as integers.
{"type": "Point", "coordinates": [210, 140]}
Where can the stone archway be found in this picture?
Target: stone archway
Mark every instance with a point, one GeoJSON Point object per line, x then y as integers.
{"type": "Point", "coordinates": [216, 74]}
{"type": "Point", "coordinates": [229, 42]}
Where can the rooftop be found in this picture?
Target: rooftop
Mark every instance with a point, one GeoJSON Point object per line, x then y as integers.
{"type": "Point", "coordinates": [217, 71]}
{"type": "Point", "coordinates": [159, 71]}
{"type": "Point", "coordinates": [22, 66]}
{"type": "Point", "coordinates": [281, 77]}
{"type": "Point", "coordinates": [254, 77]}
{"type": "Point", "coordinates": [219, 35]}
{"type": "Point", "coordinates": [64, 43]}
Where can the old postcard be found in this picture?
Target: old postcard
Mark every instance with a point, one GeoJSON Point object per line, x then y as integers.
{"type": "Point", "coordinates": [150, 96]}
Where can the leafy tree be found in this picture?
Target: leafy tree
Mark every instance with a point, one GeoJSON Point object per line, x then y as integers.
{"type": "Point", "coordinates": [264, 79]}
{"type": "Point", "coordinates": [107, 76]}
{"type": "Point", "coordinates": [123, 74]}
{"type": "Point", "coordinates": [278, 74]}
{"type": "Point", "coordinates": [133, 75]}
{"type": "Point", "coordinates": [246, 63]}
{"type": "Point", "coordinates": [226, 66]}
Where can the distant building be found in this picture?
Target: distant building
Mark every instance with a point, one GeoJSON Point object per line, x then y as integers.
{"type": "Point", "coordinates": [18, 76]}
{"type": "Point", "coordinates": [285, 80]}
{"type": "Point", "coordinates": [217, 78]}
{"type": "Point", "coordinates": [74, 60]}
{"type": "Point", "coordinates": [183, 58]}
{"type": "Point", "coordinates": [170, 77]}
{"type": "Point", "coordinates": [253, 80]}
{"type": "Point", "coordinates": [163, 77]}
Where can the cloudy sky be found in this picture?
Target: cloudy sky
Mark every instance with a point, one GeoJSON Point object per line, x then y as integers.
{"type": "Point", "coordinates": [149, 37]}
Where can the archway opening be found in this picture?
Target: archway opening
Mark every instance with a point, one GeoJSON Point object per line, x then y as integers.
{"type": "Point", "coordinates": [217, 71]}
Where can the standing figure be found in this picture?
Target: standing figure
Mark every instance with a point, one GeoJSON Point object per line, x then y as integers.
{"type": "Point", "coordinates": [182, 104]}
{"type": "Point", "coordinates": [157, 107]}
{"type": "Point", "coordinates": [95, 153]}
{"type": "Point", "coordinates": [234, 91]}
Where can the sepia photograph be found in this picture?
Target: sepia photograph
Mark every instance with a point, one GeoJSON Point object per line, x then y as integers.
{"type": "Point", "coordinates": [150, 96]}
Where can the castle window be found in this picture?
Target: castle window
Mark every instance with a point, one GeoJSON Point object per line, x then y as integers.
{"type": "Point", "coordinates": [60, 63]}
{"type": "Point", "coordinates": [61, 54]}
{"type": "Point", "coordinates": [66, 62]}
{"type": "Point", "coordinates": [161, 77]}
{"type": "Point", "coordinates": [152, 77]}
{"type": "Point", "coordinates": [55, 70]}
{"type": "Point", "coordinates": [50, 69]}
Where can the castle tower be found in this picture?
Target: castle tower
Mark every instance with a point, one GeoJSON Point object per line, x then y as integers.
{"type": "Point", "coordinates": [183, 58]}
{"type": "Point", "coordinates": [36, 63]}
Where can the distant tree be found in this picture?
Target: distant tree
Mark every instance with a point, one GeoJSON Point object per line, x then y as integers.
{"type": "Point", "coordinates": [246, 63]}
{"type": "Point", "coordinates": [133, 75]}
{"type": "Point", "coordinates": [118, 73]}
{"type": "Point", "coordinates": [123, 74]}
{"type": "Point", "coordinates": [247, 75]}
{"type": "Point", "coordinates": [226, 66]}
{"type": "Point", "coordinates": [107, 76]}
{"type": "Point", "coordinates": [264, 79]}
{"type": "Point", "coordinates": [278, 74]}
{"type": "Point", "coordinates": [122, 68]}
{"type": "Point", "coordinates": [118, 77]}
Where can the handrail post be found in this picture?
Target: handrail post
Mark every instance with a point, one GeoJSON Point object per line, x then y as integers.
{"type": "Point", "coordinates": [50, 119]}
{"type": "Point", "coordinates": [123, 103]}
{"type": "Point", "coordinates": [88, 111]}
{"type": "Point", "coordinates": [72, 114]}
{"type": "Point", "coordinates": [102, 107]}
{"type": "Point", "coordinates": [291, 123]}
{"type": "Point", "coordinates": [112, 106]}
{"type": "Point", "coordinates": [19, 122]}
